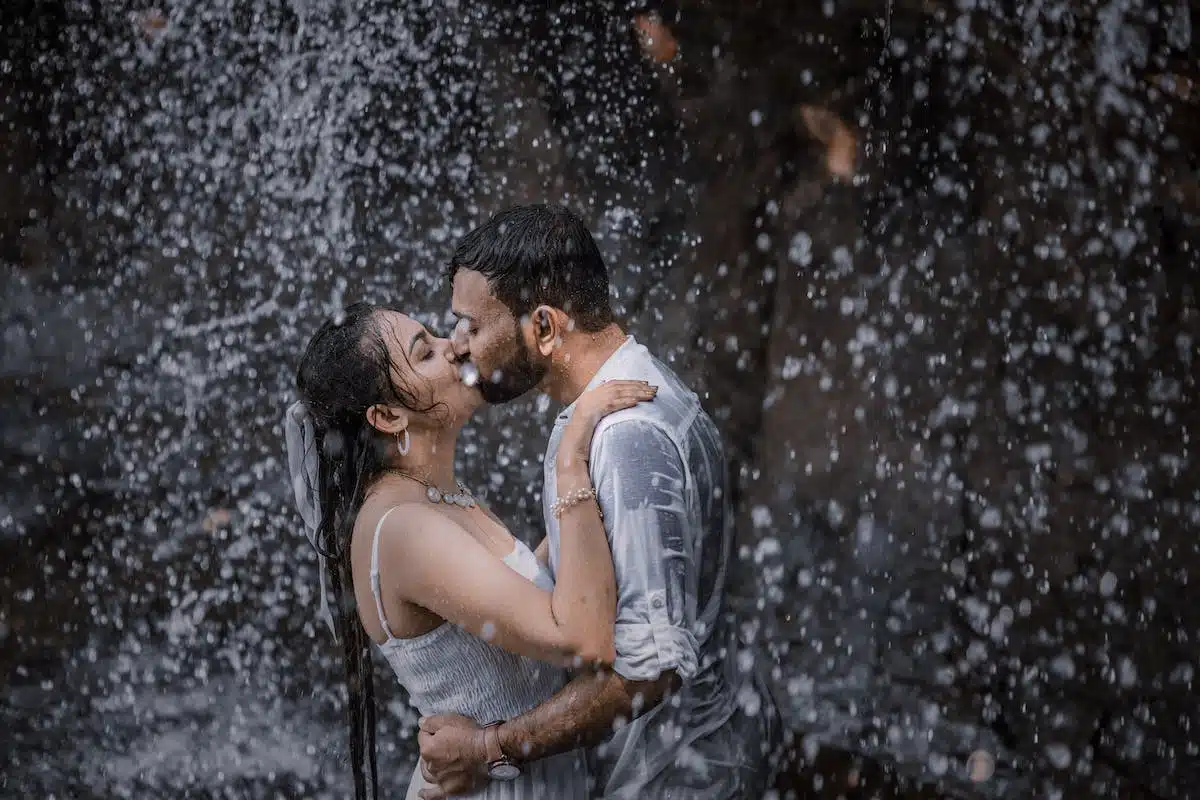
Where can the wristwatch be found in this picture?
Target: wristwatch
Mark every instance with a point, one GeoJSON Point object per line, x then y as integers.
{"type": "Point", "coordinates": [499, 766]}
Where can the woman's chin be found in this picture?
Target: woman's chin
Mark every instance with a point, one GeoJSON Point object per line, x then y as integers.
{"type": "Point", "coordinates": [474, 400]}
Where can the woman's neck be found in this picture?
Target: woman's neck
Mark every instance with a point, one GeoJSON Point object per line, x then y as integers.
{"type": "Point", "coordinates": [431, 460]}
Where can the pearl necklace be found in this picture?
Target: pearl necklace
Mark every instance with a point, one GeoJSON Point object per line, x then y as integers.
{"type": "Point", "coordinates": [462, 498]}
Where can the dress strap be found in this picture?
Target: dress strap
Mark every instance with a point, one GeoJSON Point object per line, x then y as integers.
{"type": "Point", "coordinates": [375, 590]}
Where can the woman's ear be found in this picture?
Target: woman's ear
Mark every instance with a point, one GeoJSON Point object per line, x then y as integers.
{"type": "Point", "coordinates": [391, 420]}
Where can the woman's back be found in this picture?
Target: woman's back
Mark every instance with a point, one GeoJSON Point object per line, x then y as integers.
{"type": "Point", "coordinates": [449, 671]}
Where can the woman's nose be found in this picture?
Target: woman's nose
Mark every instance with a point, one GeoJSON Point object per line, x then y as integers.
{"type": "Point", "coordinates": [458, 343]}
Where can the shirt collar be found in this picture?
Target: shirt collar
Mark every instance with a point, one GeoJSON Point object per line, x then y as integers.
{"type": "Point", "coordinates": [610, 368]}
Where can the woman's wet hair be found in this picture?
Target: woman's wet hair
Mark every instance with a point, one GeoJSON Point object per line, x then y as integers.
{"type": "Point", "coordinates": [346, 369]}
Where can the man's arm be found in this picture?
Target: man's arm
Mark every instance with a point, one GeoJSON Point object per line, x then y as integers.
{"type": "Point", "coordinates": [583, 713]}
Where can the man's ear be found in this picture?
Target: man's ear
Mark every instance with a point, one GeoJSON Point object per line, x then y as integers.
{"type": "Point", "coordinates": [548, 325]}
{"type": "Point", "coordinates": [391, 420]}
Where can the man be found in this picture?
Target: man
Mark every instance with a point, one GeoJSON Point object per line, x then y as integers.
{"type": "Point", "coordinates": [679, 715]}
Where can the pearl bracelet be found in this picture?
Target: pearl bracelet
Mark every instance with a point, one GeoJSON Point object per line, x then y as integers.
{"type": "Point", "coordinates": [560, 506]}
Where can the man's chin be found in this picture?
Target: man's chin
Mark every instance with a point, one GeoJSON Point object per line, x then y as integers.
{"type": "Point", "coordinates": [497, 394]}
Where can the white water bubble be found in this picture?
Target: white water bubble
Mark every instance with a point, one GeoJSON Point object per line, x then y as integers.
{"type": "Point", "coordinates": [468, 373]}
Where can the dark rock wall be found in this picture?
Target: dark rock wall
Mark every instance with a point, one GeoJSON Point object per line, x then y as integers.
{"type": "Point", "coordinates": [968, 437]}
{"type": "Point", "coordinates": [960, 390]}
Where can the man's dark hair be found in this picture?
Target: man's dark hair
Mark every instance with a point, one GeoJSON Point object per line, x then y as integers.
{"type": "Point", "coordinates": [539, 255]}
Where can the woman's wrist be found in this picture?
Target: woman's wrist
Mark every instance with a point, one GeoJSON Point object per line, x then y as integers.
{"type": "Point", "coordinates": [571, 465]}
{"type": "Point", "coordinates": [568, 500]}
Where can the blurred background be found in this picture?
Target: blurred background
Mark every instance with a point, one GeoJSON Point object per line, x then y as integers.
{"type": "Point", "coordinates": [932, 265]}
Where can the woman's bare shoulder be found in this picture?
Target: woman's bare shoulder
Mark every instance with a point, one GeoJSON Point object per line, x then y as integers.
{"type": "Point", "coordinates": [401, 514]}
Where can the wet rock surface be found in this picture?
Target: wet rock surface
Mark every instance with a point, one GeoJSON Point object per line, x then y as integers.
{"type": "Point", "coordinates": [960, 389]}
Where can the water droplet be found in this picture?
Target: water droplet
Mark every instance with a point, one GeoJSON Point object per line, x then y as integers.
{"type": "Point", "coordinates": [468, 373]}
{"type": "Point", "coordinates": [981, 765]}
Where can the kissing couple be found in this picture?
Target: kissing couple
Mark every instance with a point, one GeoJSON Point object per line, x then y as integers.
{"type": "Point", "coordinates": [603, 663]}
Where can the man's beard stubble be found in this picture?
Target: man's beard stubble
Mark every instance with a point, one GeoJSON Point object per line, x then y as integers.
{"type": "Point", "coordinates": [518, 376]}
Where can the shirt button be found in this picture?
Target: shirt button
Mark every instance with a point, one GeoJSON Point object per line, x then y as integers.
{"type": "Point", "coordinates": [657, 601]}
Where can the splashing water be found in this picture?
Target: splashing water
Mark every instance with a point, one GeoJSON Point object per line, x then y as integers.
{"type": "Point", "coordinates": [917, 380]}
{"type": "Point", "coordinates": [469, 374]}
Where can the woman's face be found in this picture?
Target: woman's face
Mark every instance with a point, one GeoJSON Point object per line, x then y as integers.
{"type": "Point", "coordinates": [425, 365]}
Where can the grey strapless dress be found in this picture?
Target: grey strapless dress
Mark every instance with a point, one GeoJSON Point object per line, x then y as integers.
{"type": "Point", "coordinates": [449, 671]}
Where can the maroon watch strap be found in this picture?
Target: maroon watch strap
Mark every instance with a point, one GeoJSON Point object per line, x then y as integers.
{"type": "Point", "coordinates": [491, 743]}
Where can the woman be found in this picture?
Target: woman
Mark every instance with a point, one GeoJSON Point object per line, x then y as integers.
{"type": "Point", "coordinates": [469, 619]}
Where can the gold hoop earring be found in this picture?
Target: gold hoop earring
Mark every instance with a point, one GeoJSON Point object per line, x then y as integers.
{"type": "Point", "coordinates": [403, 446]}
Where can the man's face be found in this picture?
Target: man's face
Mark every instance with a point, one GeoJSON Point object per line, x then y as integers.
{"type": "Point", "coordinates": [490, 338]}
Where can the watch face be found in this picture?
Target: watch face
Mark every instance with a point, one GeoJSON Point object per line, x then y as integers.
{"type": "Point", "coordinates": [504, 771]}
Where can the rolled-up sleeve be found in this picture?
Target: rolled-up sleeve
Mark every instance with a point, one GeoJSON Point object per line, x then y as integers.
{"type": "Point", "coordinates": [641, 483]}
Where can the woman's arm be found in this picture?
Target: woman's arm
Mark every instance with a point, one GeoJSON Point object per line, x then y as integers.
{"type": "Point", "coordinates": [430, 560]}
{"type": "Point", "coordinates": [589, 606]}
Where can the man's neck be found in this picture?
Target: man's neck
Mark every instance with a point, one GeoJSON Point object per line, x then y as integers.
{"type": "Point", "coordinates": [585, 353]}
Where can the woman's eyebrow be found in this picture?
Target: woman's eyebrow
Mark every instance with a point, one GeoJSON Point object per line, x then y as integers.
{"type": "Point", "coordinates": [421, 334]}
